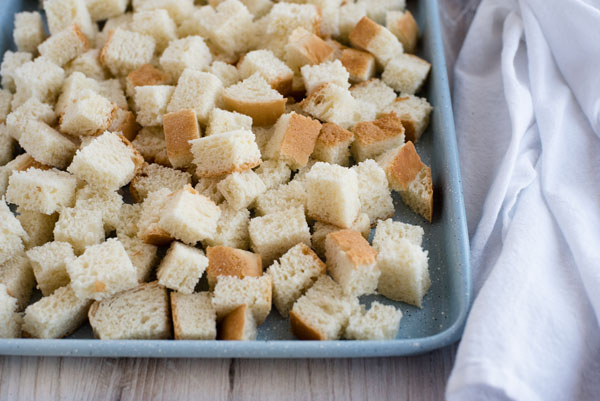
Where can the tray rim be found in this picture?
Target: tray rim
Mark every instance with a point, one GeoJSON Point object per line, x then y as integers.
{"type": "Point", "coordinates": [297, 348]}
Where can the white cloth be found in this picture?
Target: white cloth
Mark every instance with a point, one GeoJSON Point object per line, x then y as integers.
{"type": "Point", "coordinates": [527, 111]}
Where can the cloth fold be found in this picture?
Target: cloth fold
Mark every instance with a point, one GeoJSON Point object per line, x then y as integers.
{"type": "Point", "coordinates": [527, 112]}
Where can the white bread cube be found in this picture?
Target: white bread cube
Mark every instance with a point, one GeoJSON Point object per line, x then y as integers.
{"type": "Point", "coordinates": [274, 173]}
{"type": "Point", "coordinates": [47, 145]}
{"type": "Point", "coordinates": [238, 325]}
{"type": "Point", "coordinates": [153, 177]}
{"type": "Point", "coordinates": [196, 90]}
{"type": "Point", "coordinates": [56, 315]}
{"type": "Point", "coordinates": [419, 194]}
{"type": "Point", "coordinates": [293, 139]}
{"type": "Point", "coordinates": [121, 21]}
{"type": "Point", "coordinates": [181, 268]}
{"type": "Point", "coordinates": [151, 102]}
{"type": "Point", "coordinates": [360, 65]}
{"type": "Point", "coordinates": [88, 63]}
{"type": "Point", "coordinates": [377, 9]}
{"type": "Point", "coordinates": [221, 121]}
{"type": "Point", "coordinates": [61, 14]}
{"type": "Point", "coordinates": [281, 198]}
{"type": "Point", "coordinates": [124, 123]}
{"type": "Point", "coordinates": [17, 275]}
{"type": "Point", "coordinates": [293, 274]}
{"type": "Point", "coordinates": [147, 74]}
{"type": "Point", "coordinates": [331, 103]}
{"type": "Point", "coordinates": [10, 319]}
{"type": "Point", "coordinates": [231, 292]}
{"type": "Point", "coordinates": [333, 145]}
{"type": "Point", "coordinates": [72, 88]}
{"type": "Point", "coordinates": [304, 48]}
{"type": "Point", "coordinates": [103, 9]}
{"type": "Point", "coordinates": [241, 189]}
{"type": "Point", "coordinates": [194, 317]}
{"type": "Point", "coordinates": [262, 136]}
{"type": "Point", "coordinates": [392, 231]}
{"type": "Point", "coordinates": [109, 204]}
{"type": "Point", "coordinates": [38, 226]}
{"type": "Point", "coordinates": [229, 28]}
{"type": "Point", "coordinates": [274, 234]}
{"type": "Point", "coordinates": [64, 46]}
{"type": "Point", "coordinates": [373, 138]}
{"type": "Point", "coordinates": [49, 263]}
{"type": "Point", "coordinates": [180, 127]}
{"type": "Point", "coordinates": [255, 98]}
{"type": "Point", "coordinates": [208, 187]}
{"type": "Point", "coordinates": [101, 271]}
{"type": "Point", "coordinates": [150, 142]}
{"type": "Point", "coordinates": [149, 217]}
{"type": "Point", "coordinates": [221, 154]}
{"type": "Point", "coordinates": [178, 10]}
{"type": "Point", "coordinates": [228, 261]}
{"type": "Point", "coordinates": [5, 103]}
{"type": "Point", "coordinates": [80, 227]}
{"type": "Point", "coordinates": [10, 62]}
{"type": "Point", "coordinates": [156, 23]}
{"type": "Point", "coordinates": [374, 91]}
{"type": "Point", "coordinates": [323, 312]}
{"type": "Point", "coordinates": [368, 35]}
{"type": "Point", "coordinates": [258, 8]}
{"type": "Point", "coordinates": [12, 234]}
{"type": "Point", "coordinates": [20, 163]}
{"type": "Point", "coordinates": [112, 89]}
{"type": "Point", "coordinates": [125, 51]}
{"type": "Point", "coordinates": [380, 322]}
{"type": "Point", "coordinates": [197, 23]}
{"type": "Point", "coordinates": [227, 73]}
{"type": "Point", "coordinates": [404, 272]}
{"type": "Point", "coordinates": [143, 256]}
{"type": "Point", "coordinates": [362, 224]}
{"type": "Point", "coordinates": [351, 261]}
{"type": "Point", "coordinates": [349, 15]}
{"type": "Point", "coordinates": [108, 161]}
{"type": "Point", "coordinates": [406, 73]}
{"type": "Point", "coordinates": [91, 114]}
{"type": "Point", "coordinates": [373, 191]}
{"type": "Point", "coordinates": [29, 31]}
{"type": "Point", "coordinates": [46, 86]}
{"type": "Point", "coordinates": [283, 18]}
{"type": "Point", "coordinates": [32, 109]}
{"type": "Point", "coordinates": [414, 112]}
{"type": "Point", "coordinates": [329, 71]}
{"type": "Point", "coordinates": [44, 191]}
{"type": "Point", "coordinates": [232, 228]}
{"type": "Point", "coordinates": [189, 216]}
{"type": "Point", "coordinates": [274, 71]}
{"type": "Point", "coordinates": [140, 313]}
{"type": "Point", "coordinates": [190, 52]}
{"type": "Point", "coordinates": [7, 145]}
{"type": "Point", "coordinates": [128, 218]}
{"type": "Point", "coordinates": [332, 194]}
{"type": "Point", "coordinates": [403, 25]}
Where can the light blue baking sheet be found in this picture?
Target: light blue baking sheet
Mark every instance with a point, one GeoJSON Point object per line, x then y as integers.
{"type": "Point", "coordinates": [445, 307]}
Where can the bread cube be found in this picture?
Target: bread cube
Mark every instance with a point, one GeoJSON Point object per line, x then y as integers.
{"type": "Point", "coordinates": [333, 145]}
{"type": "Point", "coordinates": [10, 319]}
{"type": "Point", "coordinates": [241, 189]}
{"type": "Point", "coordinates": [232, 228]}
{"type": "Point", "coordinates": [44, 191]}
{"type": "Point", "coordinates": [349, 15]}
{"type": "Point", "coordinates": [151, 102]}
{"type": "Point", "coordinates": [229, 27]}
{"type": "Point", "coordinates": [31, 110]}
{"type": "Point", "coordinates": [414, 112]}
{"type": "Point", "coordinates": [196, 90]}
{"type": "Point", "coordinates": [46, 86]}
{"type": "Point", "coordinates": [274, 173]}
{"type": "Point", "coordinates": [404, 272]}
{"type": "Point", "coordinates": [293, 139]}
{"type": "Point", "coordinates": [283, 197]}
{"type": "Point", "coordinates": [255, 98]}
{"type": "Point", "coordinates": [208, 187]}
{"type": "Point", "coordinates": [17, 275]}
{"type": "Point", "coordinates": [12, 234]}
{"type": "Point", "coordinates": [360, 65]}
{"type": "Point", "coordinates": [101, 271]}
{"type": "Point", "coordinates": [112, 89]}
{"type": "Point", "coordinates": [181, 268]}
{"type": "Point", "coordinates": [221, 121]}
{"type": "Point", "coordinates": [189, 216]}
{"type": "Point", "coordinates": [153, 177]}
{"type": "Point", "coordinates": [403, 25]}
{"type": "Point", "coordinates": [128, 218]}
{"type": "Point", "coordinates": [377, 9]}
{"type": "Point", "coordinates": [304, 48]}
{"type": "Point", "coordinates": [323, 312]}
{"type": "Point", "coordinates": [87, 63]}
{"type": "Point", "coordinates": [38, 226]}
{"type": "Point", "coordinates": [155, 23]}
{"type": "Point", "coordinates": [406, 73]}
{"type": "Point", "coordinates": [374, 91]}
{"type": "Point", "coordinates": [178, 10]}
{"type": "Point", "coordinates": [91, 114]}
{"type": "Point", "coordinates": [79, 227]}
{"type": "Point", "coordinates": [331, 103]}
{"type": "Point", "coordinates": [194, 317]}
{"type": "Point", "coordinates": [147, 74]}
{"type": "Point", "coordinates": [140, 313]}
{"type": "Point", "coordinates": [368, 35]}
{"type": "Point", "coordinates": [56, 315]}
{"type": "Point", "coordinates": [108, 203]}
{"type": "Point", "coordinates": [180, 127]}
{"type": "Point", "coordinates": [47, 145]}
{"type": "Point", "coordinates": [143, 256]}
{"type": "Point", "coordinates": [293, 274]}
{"type": "Point", "coordinates": [231, 292]}
{"type": "Point", "coordinates": [238, 325]}
{"type": "Point", "coordinates": [274, 234]}
{"type": "Point", "coordinates": [373, 191]}
{"type": "Point", "coordinates": [274, 71]}
{"type": "Point", "coordinates": [373, 138]}
{"type": "Point", "coordinates": [380, 322]}
{"type": "Point", "coordinates": [392, 231]}
{"type": "Point", "coordinates": [190, 52]}
{"type": "Point", "coordinates": [150, 142]}
{"type": "Point", "coordinates": [221, 154]}
{"type": "Point", "coordinates": [64, 46]}
{"type": "Point", "coordinates": [227, 73]}
{"type": "Point", "coordinates": [49, 263]}
{"type": "Point", "coordinates": [61, 14]}
{"type": "Point", "coordinates": [19, 163]}
{"type": "Point", "coordinates": [72, 89]}
{"type": "Point", "coordinates": [124, 123]}
{"type": "Point", "coordinates": [332, 194]}
{"type": "Point", "coordinates": [108, 161]}
{"type": "Point", "coordinates": [29, 31]}
{"type": "Point", "coordinates": [5, 103]}
{"type": "Point", "coordinates": [283, 18]}
{"type": "Point", "coordinates": [228, 261]}
{"type": "Point", "coordinates": [125, 51]}
{"type": "Point", "coordinates": [150, 215]}
{"type": "Point", "coordinates": [10, 63]}
{"type": "Point", "coordinates": [362, 224]}
{"type": "Point", "coordinates": [332, 72]}
{"type": "Point", "coordinates": [104, 9]}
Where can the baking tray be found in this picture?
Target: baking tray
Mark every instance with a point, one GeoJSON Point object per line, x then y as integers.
{"type": "Point", "coordinates": [445, 307]}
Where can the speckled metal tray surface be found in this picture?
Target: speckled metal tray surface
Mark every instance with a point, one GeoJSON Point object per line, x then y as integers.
{"type": "Point", "coordinates": [445, 307]}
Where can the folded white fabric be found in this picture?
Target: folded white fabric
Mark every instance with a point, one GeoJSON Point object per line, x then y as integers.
{"type": "Point", "coordinates": [527, 110]}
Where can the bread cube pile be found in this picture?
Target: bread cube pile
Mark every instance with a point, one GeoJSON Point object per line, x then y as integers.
{"type": "Point", "coordinates": [147, 144]}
